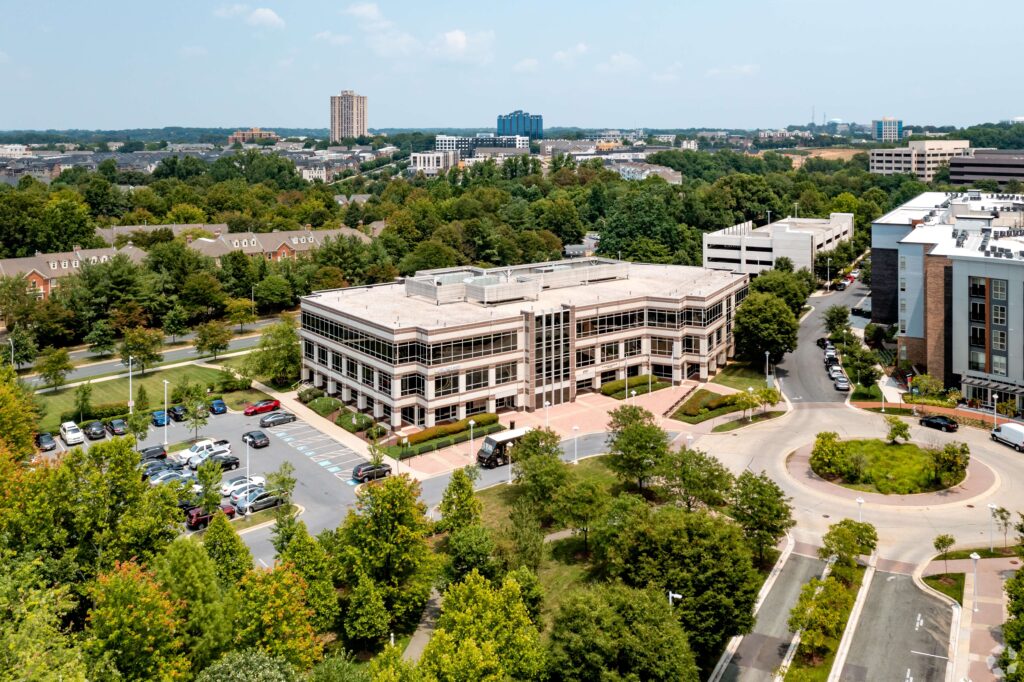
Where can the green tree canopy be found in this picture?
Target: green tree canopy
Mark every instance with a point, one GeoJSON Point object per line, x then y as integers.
{"type": "Point", "coordinates": [764, 323]}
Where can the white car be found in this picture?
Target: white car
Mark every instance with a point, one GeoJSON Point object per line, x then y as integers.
{"type": "Point", "coordinates": [237, 483]}
{"type": "Point", "coordinates": [198, 458]}
{"type": "Point", "coordinates": [71, 434]}
{"type": "Point", "coordinates": [835, 372]}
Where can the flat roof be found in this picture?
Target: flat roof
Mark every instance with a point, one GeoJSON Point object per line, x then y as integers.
{"type": "Point", "coordinates": [391, 307]}
{"type": "Point", "coordinates": [788, 224]}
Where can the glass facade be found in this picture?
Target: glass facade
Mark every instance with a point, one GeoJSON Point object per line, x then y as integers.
{"type": "Point", "coordinates": [521, 123]}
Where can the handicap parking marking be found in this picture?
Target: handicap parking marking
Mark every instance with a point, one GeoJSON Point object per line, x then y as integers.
{"type": "Point", "coordinates": [334, 470]}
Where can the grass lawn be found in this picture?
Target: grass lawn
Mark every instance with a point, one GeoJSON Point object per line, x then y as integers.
{"type": "Point", "coordinates": [898, 411]}
{"type": "Point", "coordinates": [805, 670]}
{"type": "Point", "coordinates": [238, 362]}
{"type": "Point", "coordinates": [983, 552]}
{"type": "Point", "coordinates": [741, 376]}
{"type": "Point", "coordinates": [698, 403]}
{"type": "Point", "coordinates": [872, 393]}
{"type": "Point", "coordinates": [742, 421]}
{"type": "Point", "coordinates": [117, 390]}
{"type": "Point", "coordinates": [565, 566]}
{"type": "Point", "coordinates": [949, 584]}
{"type": "Point", "coordinates": [238, 400]}
{"type": "Point", "coordinates": [901, 469]}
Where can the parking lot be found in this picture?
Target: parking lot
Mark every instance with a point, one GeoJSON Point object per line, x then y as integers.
{"type": "Point", "coordinates": [331, 456]}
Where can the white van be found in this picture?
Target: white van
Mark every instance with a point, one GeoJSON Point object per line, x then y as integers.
{"type": "Point", "coordinates": [1011, 434]}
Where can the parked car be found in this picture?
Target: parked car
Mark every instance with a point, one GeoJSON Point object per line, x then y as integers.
{"type": "Point", "coordinates": [159, 418]}
{"type": "Point", "coordinates": [841, 285]}
{"type": "Point", "coordinates": [940, 422]}
{"type": "Point", "coordinates": [218, 406]}
{"type": "Point", "coordinates": [153, 452]}
{"type": "Point", "coordinates": [831, 362]}
{"type": "Point", "coordinates": [177, 413]}
{"type": "Point", "coordinates": [855, 273]}
{"type": "Point", "coordinates": [823, 343]}
{"type": "Point", "coordinates": [842, 384]}
{"type": "Point", "coordinates": [860, 312]}
{"type": "Point", "coordinates": [257, 501]}
{"type": "Point", "coordinates": [117, 427]}
{"type": "Point", "coordinates": [368, 471]}
{"type": "Point", "coordinates": [277, 419]}
{"type": "Point", "coordinates": [830, 352]}
{"type": "Point", "coordinates": [835, 371]}
{"type": "Point", "coordinates": [95, 430]}
{"type": "Point", "coordinates": [198, 458]}
{"type": "Point", "coordinates": [240, 494]}
{"type": "Point", "coordinates": [170, 476]}
{"type": "Point", "coordinates": [228, 462]}
{"type": "Point", "coordinates": [71, 434]}
{"type": "Point", "coordinates": [45, 441]}
{"type": "Point", "coordinates": [233, 485]}
{"type": "Point", "coordinates": [151, 467]}
{"type": "Point", "coordinates": [1010, 434]}
{"type": "Point", "coordinates": [206, 445]}
{"type": "Point", "coordinates": [262, 407]}
{"type": "Point", "coordinates": [196, 518]}
{"type": "Point", "coordinates": [256, 439]}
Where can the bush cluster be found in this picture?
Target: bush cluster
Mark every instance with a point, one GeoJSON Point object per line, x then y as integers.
{"type": "Point", "coordinates": [478, 432]}
{"type": "Point", "coordinates": [101, 411]}
{"type": "Point", "coordinates": [692, 408]}
{"type": "Point", "coordinates": [627, 383]}
{"type": "Point", "coordinates": [353, 422]}
{"type": "Point", "coordinates": [324, 405]}
{"type": "Point", "coordinates": [454, 428]}
{"type": "Point", "coordinates": [309, 394]}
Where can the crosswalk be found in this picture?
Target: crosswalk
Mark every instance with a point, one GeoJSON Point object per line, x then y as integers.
{"type": "Point", "coordinates": [333, 457]}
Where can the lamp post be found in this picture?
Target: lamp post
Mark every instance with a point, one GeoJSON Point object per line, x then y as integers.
{"type": "Point", "coordinates": [991, 524]}
{"type": "Point", "coordinates": [995, 419]}
{"type": "Point", "coordinates": [472, 423]}
{"type": "Point", "coordinates": [131, 403]}
{"type": "Point", "coordinates": [883, 399]}
{"type": "Point", "coordinates": [575, 444]}
{"type": "Point", "coordinates": [167, 419]}
{"type": "Point", "coordinates": [974, 559]}
{"type": "Point", "coordinates": [672, 596]}
{"type": "Point", "coordinates": [547, 404]}
{"type": "Point", "coordinates": [632, 395]}
{"type": "Point", "coordinates": [828, 274]}
{"type": "Point", "coordinates": [689, 441]}
{"type": "Point", "coordinates": [766, 368]}
{"type": "Point", "coordinates": [750, 392]}
{"type": "Point", "coordinates": [649, 375]}
{"type": "Point", "coordinates": [860, 510]}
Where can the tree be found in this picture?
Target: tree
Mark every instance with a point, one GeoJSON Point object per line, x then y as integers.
{"type": "Point", "coordinates": [460, 507]}
{"type": "Point", "coordinates": [942, 544]}
{"type": "Point", "coordinates": [928, 386]}
{"type": "Point", "coordinates": [897, 429]}
{"type": "Point", "coordinates": [580, 505]}
{"type": "Point", "coordinates": [524, 537]}
{"type": "Point", "coordinates": [138, 425]}
{"type": "Point", "coordinates": [192, 397]}
{"type": "Point", "coordinates": [950, 463]}
{"type": "Point", "coordinates": [613, 632]}
{"type": "Point", "coordinates": [251, 665]}
{"type": "Point", "coordinates": [134, 625]}
{"type": "Point", "coordinates": [768, 396]}
{"type": "Point", "coordinates": [227, 550]}
{"type": "Point", "coordinates": [539, 471]}
{"type": "Point", "coordinates": [25, 348]}
{"type": "Point", "coordinates": [820, 615]}
{"type": "Point", "coordinates": [101, 338]}
{"type": "Point", "coordinates": [141, 399]}
{"type": "Point", "coordinates": [783, 264]}
{"type": "Point", "coordinates": [366, 619]}
{"type": "Point", "coordinates": [694, 477]}
{"type": "Point", "coordinates": [19, 414]}
{"type": "Point", "coordinates": [847, 540]}
{"type": "Point", "coordinates": [787, 286]}
{"type": "Point", "coordinates": [746, 400]}
{"type": "Point", "coordinates": [212, 337]}
{"type": "Point", "coordinates": [83, 399]}
{"type": "Point", "coordinates": [289, 632]}
{"type": "Point", "coordinates": [309, 558]}
{"type": "Point", "coordinates": [274, 292]}
{"type": "Point", "coordinates": [53, 366]}
{"type": "Point", "coordinates": [837, 318]}
{"type": "Point", "coordinates": [282, 483]}
{"type": "Point", "coordinates": [278, 355]}
{"type": "Point", "coordinates": [637, 446]}
{"type": "Point", "coordinates": [764, 323]}
{"type": "Point", "coordinates": [1013, 628]}
{"type": "Point", "coordinates": [427, 255]}
{"type": "Point", "coordinates": [1004, 520]}
{"type": "Point", "coordinates": [762, 510]}
{"type": "Point", "coordinates": [175, 322]}
{"type": "Point", "coordinates": [470, 548]}
{"type": "Point", "coordinates": [341, 667]}
{"type": "Point", "coordinates": [142, 346]}
{"type": "Point", "coordinates": [240, 311]}
{"type": "Point", "coordinates": [208, 478]}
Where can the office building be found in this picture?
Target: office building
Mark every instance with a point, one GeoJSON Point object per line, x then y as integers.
{"type": "Point", "coordinates": [998, 165]}
{"type": "Point", "coordinates": [447, 344]}
{"type": "Point", "coordinates": [250, 136]}
{"type": "Point", "coordinates": [521, 123]}
{"type": "Point", "coordinates": [887, 130]}
{"type": "Point", "coordinates": [747, 249]}
{"type": "Point", "coordinates": [467, 146]}
{"type": "Point", "coordinates": [433, 163]}
{"type": "Point", "coordinates": [959, 291]}
{"type": "Point", "coordinates": [348, 116]}
{"type": "Point", "coordinates": [921, 158]}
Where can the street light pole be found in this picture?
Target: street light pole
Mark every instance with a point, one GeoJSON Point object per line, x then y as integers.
{"type": "Point", "coordinates": [547, 404]}
{"type": "Point", "coordinates": [974, 558]}
{"type": "Point", "coordinates": [575, 444]}
{"type": "Point", "coordinates": [860, 510]}
{"type": "Point", "coordinates": [131, 403]}
{"type": "Point", "coordinates": [750, 416]}
{"type": "Point", "coordinates": [633, 397]}
{"type": "Point", "coordinates": [828, 274]}
{"type": "Point", "coordinates": [995, 419]}
{"type": "Point", "coordinates": [472, 423]}
{"type": "Point", "coordinates": [766, 368]}
{"type": "Point", "coordinates": [167, 419]}
{"type": "Point", "coordinates": [991, 524]}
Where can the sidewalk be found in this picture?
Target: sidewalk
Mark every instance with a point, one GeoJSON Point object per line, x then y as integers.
{"type": "Point", "coordinates": [980, 639]}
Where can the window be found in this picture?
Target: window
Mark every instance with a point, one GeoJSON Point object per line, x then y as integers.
{"type": "Point", "coordinates": [447, 413]}
{"type": "Point", "coordinates": [412, 384]}
{"type": "Point", "coordinates": [338, 363]}
{"type": "Point", "coordinates": [53, 265]}
{"type": "Point", "coordinates": [368, 375]}
{"type": "Point", "coordinates": [977, 311]}
{"type": "Point", "coordinates": [903, 326]}
{"type": "Point", "coordinates": [446, 384]}
{"type": "Point", "coordinates": [351, 368]}
{"type": "Point", "coordinates": [477, 379]}
{"type": "Point", "coordinates": [976, 361]}
{"type": "Point", "coordinates": [321, 355]}
{"type": "Point", "coordinates": [978, 336]}
{"type": "Point", "coordinates": [998, 339]}
{"type": "Point", "coordinates": [585, 357]}
{"type": "Point", "coordinates": [74, 263]}
{"type": "Point", "coordinates": [903, 262]}
{"type": "Point", "coordinates": [903, 284]}
{"type": "Point", "coordinates": [999, 314]}
{"type": "Point", "coordinates": [903, 305]}
{"type": "Point", "coordinates": [661, 346]}
{"type": "Point", "coordinates": [607, 324]}
{"type": "Point", "coordinates": [505, 373]}
{"type": "Point", "coordinates": [999, 364]}
{"type": "Point", "coordinates": [609, 351]}
{"type": "Point", "coordinates": [999, 289]}
{"type": "Point", "coordinates": [309, 350]}
{"type": "Point", "coordinates": [631, 347]}
{"type": "Point", "coordinates": [384, 383]}
{"type": "Point", "coordinates": [976, 285]}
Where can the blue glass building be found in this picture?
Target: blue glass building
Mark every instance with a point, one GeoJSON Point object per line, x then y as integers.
{"type": "Point", "coordinates": [521, 123]}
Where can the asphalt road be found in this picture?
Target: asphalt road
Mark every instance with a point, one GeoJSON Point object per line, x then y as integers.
{"type": "Point", "coordinates": [761, 652]}
{"type": "Point", "coordinates": [903, 634]}
{"type": "Point", "coordinates": [802, 372]}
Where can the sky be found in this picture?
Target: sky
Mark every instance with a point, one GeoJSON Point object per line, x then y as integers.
{"type": "Point", "coordinates": [111, 64]}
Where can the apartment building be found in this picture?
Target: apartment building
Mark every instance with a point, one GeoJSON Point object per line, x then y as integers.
{"type": "Point", "coordinates": [276, 245]}
{"type": "Point", "coordinates": [920, 157]}
{"type": "Point", "coordinates": [42, 272]}
{"type": "Point", "coordinates": [433, 163]}
{"type": "Point", "coordinates": [467, 146]}
{"type": "Point", "coordinates": [747, 249]}
{"type": "Point", "coordinates": [348, 115]}
{"type": "Point", "coordinates": [998, 165]}
{"type": "Point", "coordinates": [445, 344]}
{"type": "Point", "coordinates": [251, 136]}
{"type": "Point", "coordinates": [959, 288]}
{"type": "Point", "coordinates": [887, 130]}
{"type": "Point", "coordinates": [642, 171]}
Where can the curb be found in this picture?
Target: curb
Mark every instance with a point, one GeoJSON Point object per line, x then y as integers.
{"type": "Point", "coordinates": [839, 662]}
{"type": "Point", "coordinates": [954, 630]}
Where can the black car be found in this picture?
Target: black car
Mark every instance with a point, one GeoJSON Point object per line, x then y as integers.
{"type": "Point", "coordinates": [117, 427]}
{"type": "Point", "coordinates": [227, 462]}
{"type": "Point", "coordinates": [256, 439]}
{"type": "Point", "coordinates": [45, 441]}
{"type": "Point", "coordinates": [152, 467]}
{"type": "Point", "coordinates": [860, 312]}
{"type": "Point", "coordinates": [823, 342]}
{"type": "Point", "coordinates": [177, 413]}
{"type": "Point", "coordinates": [367, 471]}
{"type": "Point", "coordinates": [830, 362]}
{"type": "Point", "coordinates": [940, 422]}
{"type": "Point", "coordinates": [94, 430]}
{"type": "Point", "coordinates": [276, 419]}
{"type": "Point", "coordinates": [153, 452]}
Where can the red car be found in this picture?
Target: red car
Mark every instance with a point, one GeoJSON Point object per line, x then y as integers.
{"type": "Point", "coordinates": [262, 406]}
{"type": "Point", "coordinates": [196, 519]}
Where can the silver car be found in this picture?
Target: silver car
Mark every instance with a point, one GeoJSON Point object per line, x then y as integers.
{"type": "Point", "coordinates": [240, 494]}
{"type": "Point", "coordinates": [233, 485]}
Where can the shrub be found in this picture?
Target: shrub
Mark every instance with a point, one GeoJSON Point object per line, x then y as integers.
{"type": "Point", "coordinates": [227, 382]}
{"type": "Point", "coordinates": [376, 432]}
{"type": "Point", "coordinates": [324, 405]}
{"type": "Point", "coordinates": [308, 395]}
{"type": "Point", "coordinates": [625, 384]}
{"type": "Point", "coordinates": [353, 422]}
{"type": "Point", "coordinates": [101, 411]}
{"type": "Point", "coordinates": [440, 430]}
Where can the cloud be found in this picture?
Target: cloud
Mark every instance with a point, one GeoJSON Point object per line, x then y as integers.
{"type": "Point", "coordinates": [569, 55]}
{"type": "Point", "coordinates": [367, 11]}
{"type": "Point", "coordinates": [528, 65]}
{"type": "Point", "coordinates": [267, 18]}
{"type": "Point", "coordinates": [669, 74]}
{"type": "Point", "coordinates": [619, 62]}
{"type": "Point", "coordinates": [332, 38]}
{"type": "Point", "coordinates": [4, 57]}
{"type": "Point", "coordinates": [380, 33]}
{"type": "Point", "coordinates": [192, 51]}
{"type": "Point", "coordinates": [228, 11]}
{"type": "Point", "coordinates": [458, 46]}
{"type": "Point", "coordinates": [734, 71]}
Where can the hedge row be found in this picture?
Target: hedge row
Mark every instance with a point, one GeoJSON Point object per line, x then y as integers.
{"type": "Point", "coordinates": [440, 443]}
{"type": "Point", "coordinates": [454, 428]}
{"type": "Point", "coordinates": [625, 384]}
{"type": "Point", "coordinates": [101, 411]}
{"type": "Point", "coordinates": [692, 408]}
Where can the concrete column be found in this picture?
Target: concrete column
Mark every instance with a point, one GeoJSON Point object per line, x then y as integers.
{"type": "Point", "coordinates": [306, 373]}
{"type": "Point", "coordinates": [378, 409]}
{"type": "Point", "coordinates": [491, 374]}
{"type": "Point", "coordinates": [492, 405]}
{"type": "Point", "coordinates": [704, 371]}
{"type": "Point", "coordinates": [461, 410]}
{"type": "Point", "coordinates": [396, 418]}
{"type": "Point", "coordinates": [360, 401]}
{"type": "Point", "coordinates": [332, 386]}
{"type": "Point", "coordinates": [318, 379]}
{"type": "Point", "coordinates": [597, 380]}
{"type": "Point", "coordinates": [346, 393]}
{"type": "Point", "coordinates": [428, 419]}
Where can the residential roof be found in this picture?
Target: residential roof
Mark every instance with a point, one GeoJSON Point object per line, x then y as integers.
{"type": "Point", "coordinates": [66, 263]}
{"type": "Point", "coordinates": [260, 243]}
{"type": "Point", "coordinates": [109, 234]}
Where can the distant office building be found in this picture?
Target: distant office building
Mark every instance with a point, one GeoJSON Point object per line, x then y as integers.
{"type": "Point", "coordinates": [252, 135]}
{"type": "Point", "coordinates": [348, 115]}
{"type": "Point", "coordinates": [521, 123]}
{"type": "Point", "coordinates": [688, 144]}
{"type": "Point", "coordinates": [887, 130]}
{"type": "Point", "coordinates": [747, 249]}
{"type": "Point", "coordinates": [433, 163]}
{"type": "Point", "coordinates": [632, 170]}
{"type": "Point", "coordinates": [921, 158]}
{"type": "Point", "coordinates": [1000, 165]}
{"type": "Point", "coordinates": [467, 146]}
{"type": "Point", "coordinates": [14, 151]}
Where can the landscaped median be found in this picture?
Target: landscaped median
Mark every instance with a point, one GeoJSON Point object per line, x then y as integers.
{"type": "Point", "coordinates": [621, 389]}
{"type": "Point", "coordinates": [444, 435]}
{"type": "Point", "coordinates": [704, 404]}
